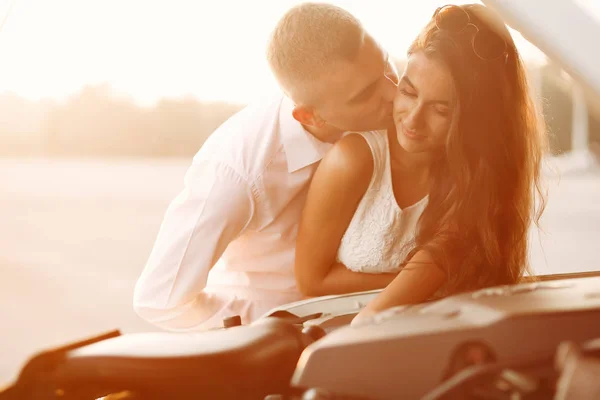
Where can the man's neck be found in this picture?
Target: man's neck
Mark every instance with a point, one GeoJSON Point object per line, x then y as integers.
{"type": "Point", "coordinates": [326, 135]}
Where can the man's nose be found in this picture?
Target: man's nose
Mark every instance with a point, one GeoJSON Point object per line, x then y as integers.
{"type": "Point", "coordinates": [391, 72]}
{"type": "Point", "coordinates": [389, 89]}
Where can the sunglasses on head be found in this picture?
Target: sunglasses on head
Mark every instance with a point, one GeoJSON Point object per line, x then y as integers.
{"type": "Point", "coordinates": [487, 44]}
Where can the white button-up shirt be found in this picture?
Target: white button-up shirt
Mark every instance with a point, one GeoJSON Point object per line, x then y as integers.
{"type": "Point", "coordinates": [227, 243]}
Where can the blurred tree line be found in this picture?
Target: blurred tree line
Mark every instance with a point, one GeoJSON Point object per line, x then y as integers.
{"type": "Point", "coordinates": [97, 123]}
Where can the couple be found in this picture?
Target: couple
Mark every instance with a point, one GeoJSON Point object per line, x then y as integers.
{"type": "Point", "coordinates": [432, 195]}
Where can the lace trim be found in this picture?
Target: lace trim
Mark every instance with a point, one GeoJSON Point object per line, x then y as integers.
{"type": "Point", "coordinates": [380, 234]}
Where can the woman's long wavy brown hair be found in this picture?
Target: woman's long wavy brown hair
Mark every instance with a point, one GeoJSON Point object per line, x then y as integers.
{"type": "Point", "coordinates": [483, 194]}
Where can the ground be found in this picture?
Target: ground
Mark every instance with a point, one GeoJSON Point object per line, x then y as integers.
{"type": "Point", "coordinates": [76, 234]}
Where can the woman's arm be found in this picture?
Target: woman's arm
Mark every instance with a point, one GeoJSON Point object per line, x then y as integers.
{"type": "Point", "coordinates": [336, 189]}
{"type": "Point", "coordinates": [416, 282]}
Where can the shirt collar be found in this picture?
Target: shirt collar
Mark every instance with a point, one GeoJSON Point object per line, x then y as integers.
{"type": "Point", "coordinates": [301, 148]}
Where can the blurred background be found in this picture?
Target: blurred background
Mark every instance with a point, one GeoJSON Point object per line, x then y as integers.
{"type": "Point", "coordinates": [104, 103]}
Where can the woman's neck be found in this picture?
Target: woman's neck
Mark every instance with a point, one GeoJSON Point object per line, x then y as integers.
{"type": "Point", "coordinates": [418, 164]}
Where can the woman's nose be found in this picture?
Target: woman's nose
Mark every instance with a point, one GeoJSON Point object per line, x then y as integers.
{"type": "Point", "coordinates": [411, 121]}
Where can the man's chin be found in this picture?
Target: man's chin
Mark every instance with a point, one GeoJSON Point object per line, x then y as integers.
{"type": "Point", "coordinates": [387, 123]}
{"type": "Point", "coordinates": [334, 137]}
{"type": "Point", "coordinates": [376, 127]}
{"type": "Point", "coordinates": [380, 125]}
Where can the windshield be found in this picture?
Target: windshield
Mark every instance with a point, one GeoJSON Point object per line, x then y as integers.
{"type": "Point", "coordinates": [103, 106]}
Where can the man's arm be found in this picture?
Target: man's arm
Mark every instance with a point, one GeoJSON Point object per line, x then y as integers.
{"type": "Point", "coordinates": [336, 189]}
{"type": "Point", "coordinates": [214, 208]}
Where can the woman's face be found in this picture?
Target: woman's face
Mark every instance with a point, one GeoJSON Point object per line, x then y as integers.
{"type": "Point", "coordinates": [423, 104]}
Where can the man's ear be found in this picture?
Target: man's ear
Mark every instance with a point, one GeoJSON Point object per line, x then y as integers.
{"type": "Point", "coordinates": [307, 116]}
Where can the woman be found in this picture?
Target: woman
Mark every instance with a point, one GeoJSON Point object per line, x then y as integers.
{"type": "Point", "coordinates": [442, 202]}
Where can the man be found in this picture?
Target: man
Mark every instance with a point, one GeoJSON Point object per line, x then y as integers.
{"type": "Point", "coordinates": [226, 245]}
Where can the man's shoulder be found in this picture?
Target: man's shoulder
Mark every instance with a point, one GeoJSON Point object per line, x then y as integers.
{"type": "Point", "coordinates": [253, 119]}
{"type": "Point", "coordinates": [247, 139]}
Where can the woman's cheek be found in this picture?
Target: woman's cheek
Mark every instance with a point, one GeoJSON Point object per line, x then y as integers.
{"type": "Point", "coordinates": [441, 129]}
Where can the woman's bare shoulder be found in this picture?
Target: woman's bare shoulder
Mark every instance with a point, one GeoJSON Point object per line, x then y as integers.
{"type": "Point", "coordinates": [350, 158]}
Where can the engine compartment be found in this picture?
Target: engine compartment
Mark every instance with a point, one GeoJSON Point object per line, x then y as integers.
{"type": "Point", "coordinates": [501, 340]}
{"type": "Point", "coordinates": [427, 344]}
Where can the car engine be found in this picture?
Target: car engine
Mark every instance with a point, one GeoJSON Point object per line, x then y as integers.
{"type": "Point", "coordinates": [536, 340]}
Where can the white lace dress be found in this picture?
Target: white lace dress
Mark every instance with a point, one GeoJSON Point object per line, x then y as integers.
{"type": "Point", "coordinates": [381, 234]}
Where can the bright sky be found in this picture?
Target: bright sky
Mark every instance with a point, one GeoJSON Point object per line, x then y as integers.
{"type": "Point", "coordinates": [213, 50]}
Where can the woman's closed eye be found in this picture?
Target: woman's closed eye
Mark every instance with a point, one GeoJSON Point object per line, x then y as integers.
{"type": "Point", "coordinates": [407, 93]}
{"type": "Point", "coordinates": [441, 110]}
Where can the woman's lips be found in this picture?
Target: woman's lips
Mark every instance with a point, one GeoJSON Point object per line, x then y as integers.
{"type": "Point", "coordinates": [412, 134]}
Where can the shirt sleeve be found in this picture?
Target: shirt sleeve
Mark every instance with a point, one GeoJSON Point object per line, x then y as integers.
{"type": "Point", "coordinates": [214, 208]}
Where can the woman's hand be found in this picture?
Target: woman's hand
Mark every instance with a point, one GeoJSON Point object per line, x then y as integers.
{"type": "Point", "coordinates": [416, 283]}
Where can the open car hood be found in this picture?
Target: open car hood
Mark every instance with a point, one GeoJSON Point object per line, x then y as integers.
{"type": "Point", "coordinates": [564, 31]}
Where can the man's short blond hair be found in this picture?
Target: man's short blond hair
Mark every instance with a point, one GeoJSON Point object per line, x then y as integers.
{"type": "Point", "coordinates": [307, 41]}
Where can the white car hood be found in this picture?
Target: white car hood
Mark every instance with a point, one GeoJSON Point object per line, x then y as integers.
{"type": "Point", "coordinates": [564, 31]}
